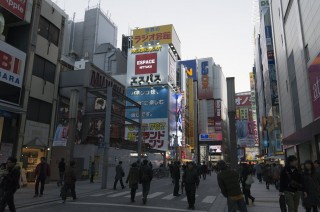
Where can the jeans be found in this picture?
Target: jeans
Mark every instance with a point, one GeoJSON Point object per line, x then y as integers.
{"type": "Point", "coordinates": [145, 189]}
{"type": "Point", "coordinates": [292, 200]}
{"type": "Point", "coordinates": [116, 182]}
{"type": "Point", "coordinates": [42, 181]}
{"type": "Point", "coordinates": [7, 199]}
{"type": "Point", "coordinates": [191, 193]}
{"type": "Point", "coordinates": [247, 195]}
{"type": "Point", "coordinates": [259, 176]}
{"type": "Point", "coordinates": [91, 177]}
{"type": "Point", "coordinates": [176, 187]}
{"type": "Point", "coordinates": [233, 204]}
{"type": "Point", "coordinates": [61, 176]}
{"type": "Point", "coordinates": [66, 188]}
{"type": "Point", "coordinates": [133, 193]}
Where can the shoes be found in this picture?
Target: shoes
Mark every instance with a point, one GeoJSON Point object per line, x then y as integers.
{"type": "Point", "coordinates": [75, 199]}
{"type": "Point", "coordinates": [63, 201]}
{"type": "Point", "coordinates": [191, 207]}
{"type": "Point", "coordinates": [40, 195]}
{"type": "Point", "coordinates": [132, 200]}
{"type": "Point", "coordinates": [36, 195]}
{"type": "Point", "coordinates": [123, 187]}
{"type": "Point", "coordinates": [144, 200]}
{"type": "Point", "coordinates": [253, 200]}
{"type": "Point", "coordinates": [176, 195]}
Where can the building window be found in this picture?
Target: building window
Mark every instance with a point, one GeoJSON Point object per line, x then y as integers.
{"type": "Point", "coordinates": [306, 53]}
{"type": "Point", "coordinates": [48, 31]}
{"type": "Point", "coordinates": [44, 69]}
{"type": "Point", "coordinates": [39, 111]}
{"type": "Point", "coordinates": [244, 114]}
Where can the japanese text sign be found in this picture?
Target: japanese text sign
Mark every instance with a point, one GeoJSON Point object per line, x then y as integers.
{"type": "Point", "coordinates": [16, 7]}
{"type": "Point", "coordinates": [146, 64]}
{"type": "Point", "coordinates": [153, 35]}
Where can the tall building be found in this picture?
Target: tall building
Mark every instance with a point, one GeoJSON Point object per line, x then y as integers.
{"type": "Point", "coordinates": [296, 40]}
{"type": "Point", "coordinates": [29, 114]}
{"type": "Point", "coordinates": [267, 86]}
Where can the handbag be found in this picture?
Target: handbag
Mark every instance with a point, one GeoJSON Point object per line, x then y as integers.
{"type": "Point", "coordinates": [282, 202]}
{"type": "Point", "coordinates": [249, 180]}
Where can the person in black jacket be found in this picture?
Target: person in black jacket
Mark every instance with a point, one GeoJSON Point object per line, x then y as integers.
{"type": "Point", "coordinates": [62, 169]}
{"type": "Point", "coordinates": [9, 185]}
{"type": "Point", "coordinates": [191, 181]}
{"type": "Point", "coordinates": [176, 178]}
{"type": "Point", "coordinates": [291, 184]}
{"type": "Point", "coordinates": [146, 176]}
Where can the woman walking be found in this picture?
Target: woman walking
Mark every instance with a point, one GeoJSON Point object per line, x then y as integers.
{"type": "Point", "coordinates": [311, 184]}
{"type": "Point", "coordinates": [133, 180]}
{"type": "Point", "coordinates": [247, 181]}
{"type": "Point", "coordinates": [267, 176]}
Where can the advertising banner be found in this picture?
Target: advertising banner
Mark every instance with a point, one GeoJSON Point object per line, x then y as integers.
{"type": "Point", "coordinates": [245, 133]}
{"type": "Point", "coordinates": [190, 68]}
{"type": "Point", "coordinates": [16, 7]}
{"type": "Point", "coordinates": [154, 102]}
{"type": "Point", "coordinates": [172, 77]}
{"type": "Point", "coordinates": [149, 68]}
{"type": "Point", "coordinates": [253, 107]}
{"type": "Point", "coordinates": [268, 35]}
{"type": "Point", "coordinates": [243, 100]}
{"type": "Point", "coordinates": [205, 78]}
{"type": "Point", "coordinates": [314, 81]}
{"type": "Point", "coordinates": [215, 149]}
{"type": "Point", "coordinates": [61, 136]}
{"type": "Point", "coordinates": [273, 85]}
{"type": "Point", "coordinates": [191, 111]}
{"type": "Point", "coordinates": [153, 35]}
{"type": "Point", "coordinates": [217, 136]}
{"type": "Point", "coordinates": [155, 133]}
{"type": "Point", "coordinates": [252, 153]}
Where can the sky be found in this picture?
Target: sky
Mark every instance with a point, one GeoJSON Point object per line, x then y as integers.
{"type": "Point", "coordinates": [221, 29]}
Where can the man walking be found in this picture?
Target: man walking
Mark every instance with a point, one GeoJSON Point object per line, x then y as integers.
{"type": "Point", "coordinates": [258, 170]}
{"type": "Point", "coordinates": [42, 172]}
{"type": "Point", "coordinates": [62, 169]}
{"type": "Point", "coordinates": [69, 183]}
{"type": "Point", "coordinates": [10, 184]}
{"type": "Point", "coordinates": [191, 181]}
{"type": "Point", "coordinates": [176, 178]}
{"type": "Point", "coordinates": [146, 176]}
{"type": "Point", "coordinates": [119, 175]}
{"type": "Point", "coordinates": [228, 181]}
{"type": "Point", "coordinates": [92, 172]}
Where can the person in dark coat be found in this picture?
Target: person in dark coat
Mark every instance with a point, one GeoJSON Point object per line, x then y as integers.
{"type": "Point", "coordinates": [133, 180]}
{"type": "Point", "coordinates": [146, 176]}
{"type": "Point", "coordinates": [267, 176]}
{"type": "Point", "coordinates": [204, 170]}
{"type": "Point", "coordinates": [191, 181]}
{"type": "Point", "coordinates": [246, 186]}
{"type": "Point", "coordinates": [119, 175]}
{"type": "Point", "coordinates": [291, 183]}
{"type": "Point", "coordinates": [9, 185]}
{"type": "Point", "coordinates": [228, 181]}
{"type": "Point", "coordinates": [92, 171]}
{"type": "Point", "coordinates": [62, 169]}
{"type": "Point", "coordinates": [311, 184]}
{"type": "Point", "coordinates": [42, 172]}
{"type": "Point", "coordinates": [176, 178]}
{"type": "Point", "coordinates": [69, 182]}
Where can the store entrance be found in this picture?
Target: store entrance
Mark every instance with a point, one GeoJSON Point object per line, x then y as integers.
{"type": "Point", "coordinates": [30, 158]}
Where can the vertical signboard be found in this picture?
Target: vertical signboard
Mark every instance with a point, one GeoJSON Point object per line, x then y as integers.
{"type": "Point", "coordinates": [314, 81]}
{"type": "Point", "coordinates": [190, 68]}
{"type": "Point", "coordinates": [254, 108]}
{"type": "Point", "coordinates": [205, 78]}
{"type": "Point", "coordinates": [16, 7]}
{"type": "Point", "coordinates": [191, 110]}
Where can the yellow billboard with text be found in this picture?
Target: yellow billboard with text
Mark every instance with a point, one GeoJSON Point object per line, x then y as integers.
{"type": "Point", "coordinates": [157, 35]}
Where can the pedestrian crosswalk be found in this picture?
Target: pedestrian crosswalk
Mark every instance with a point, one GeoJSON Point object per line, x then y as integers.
{"type": "Point", "coordinates": [153, 195]}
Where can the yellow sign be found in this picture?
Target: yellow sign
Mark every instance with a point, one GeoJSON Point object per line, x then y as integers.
{"type": "Point", "coordinates": [157, 35]}
{"type": "Point", "coordinates": [146, 49]}
{"type": "Point", "coordinates": [191, 112]}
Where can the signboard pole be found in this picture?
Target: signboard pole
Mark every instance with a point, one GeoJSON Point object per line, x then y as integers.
{"type": "Point", "coordinates": [107, 137]}
{"type": "Point", "coordinates": [140, 135]}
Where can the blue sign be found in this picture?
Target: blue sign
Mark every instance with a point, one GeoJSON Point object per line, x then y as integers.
{"type": "Point", "coordinates": [190, 68]}
{"type": "Point", "coordinates": [153, 100]}
{"type": "Point", "coordinates": [265, 143]}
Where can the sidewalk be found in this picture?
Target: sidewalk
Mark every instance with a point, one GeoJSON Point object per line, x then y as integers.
{"type": "Point", "coordinates": [24, 196]}
{"type": "Point", "coordinates": [266, 200]}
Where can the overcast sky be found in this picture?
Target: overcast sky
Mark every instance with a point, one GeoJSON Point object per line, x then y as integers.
{"type": "Point", "coordinates": [221, 29]}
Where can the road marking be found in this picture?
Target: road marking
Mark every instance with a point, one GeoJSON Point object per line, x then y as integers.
{"type": "Point", "coordinates": [130, 206]}
{"type": "Point", "coordinates": [185, 199]}
{"type": "Point", "coordinates": [137, 194]}
{"type": "Point", "coordinates": [169, 197]}
{"type": "Point", "coordinates": [101, 194]}
{"type": "Point", "coordinates": [119, 194]}
{"type": "Point", "coordinates": [209, 199]}
{"type": "Point", "coordinates": [154, 195]}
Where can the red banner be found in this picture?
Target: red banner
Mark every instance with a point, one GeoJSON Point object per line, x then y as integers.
{"type": "Point", "coordinates": [16, 7]}
{"type": "Point", "coordinates": [146, 63]}
{"type": "Point", "coordinates": [314, 79]}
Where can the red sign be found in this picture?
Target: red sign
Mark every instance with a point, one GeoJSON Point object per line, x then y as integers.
{"type": "Point", "coordinates": [16, 7]}
{"type": "Point", "coordinates": [146, 63]}
{"type": "Point", "coordinates": [314, 79]}
{"type": "Point", "coordinates": [243, 101]}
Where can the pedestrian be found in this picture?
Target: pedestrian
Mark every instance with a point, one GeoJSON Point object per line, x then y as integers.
{"type": "Point", "coordinates": [92, 172]}
{"type": "Point", "coordinates": [191, 181]}
{"type": "Point", "coordinates": [146, 176]}
{"type": "Point", "coordinates": [317, 166]}
{"type": "Point", "coordinates": [276, 170]}
{"type": "Point", "coordinates": [9, 185]}
{"type": "Point", "coordinates": [267, 175]}
{"type": "Point", "coordinates": [42, 172]}
{"type": "Point", "coordinates": [62, 169]}
{"type": "Point", "coordinates": [210, 168]}
{"type": "Point", "coordinates": [69, 183]}
{"type": "Point", "coordinates": [184, 167]}
{"type": "Point", "coordinates": [248, 181]}
{"type": "Point", "coordinates": [176, 178]}
{"type": "Point", "coordinates": [258, 168]}
{"type": "Point", "coordinates": [291, 183]}
{"type": "Point", "coordinates": [133, 180]}
{"type": "Point", "coordinates": [311, 185]}
{"type": "Point", "coordinates": [204, 170]}
{"type": "Point", "coordinates": [119, 175]}
{"type": "Point", "coordinates": [228, 181]}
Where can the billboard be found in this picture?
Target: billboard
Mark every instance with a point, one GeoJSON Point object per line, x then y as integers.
{"type": "Point", "coordinates": [273, 85]}
{"type": "Point", "coordinates": [245, 133]}
{"type": "Point", "coordinates": [217, 136]}
{"type": "Point", "coordinates": [148, 68]}
{"type": "Point", "coordinates": [12, 65]}
{"type": "Point", "coordinates": [243, 100]}
{"type": "Point", "coordinates": [217, 115]}
{"type": "Point", "coordinates": [172, 76]}
{"type": "Point", "coordinates": [215, 149]}
{"type": "Point", "coordinates": [190, 68]}
{"type": "Point", "coordinates": [154, 102]}
{"type": "Point", "coordinates": [16, 7]}
{"type": "Point", "coordinates": [314, 81]}
{"type": "Point", "coordinates": [205, 78]}
{"type": "Point", "coordinates": [191, 111]}
{"type": "Point", "coordinates": [60, 136]}
{"type": "Point", "coordinates": [153, 35]}
{"type": "Point", "coordinates": [155, 133]}
{"type": "Point", "coordinates": [252, 153]}
{"type": "Point", "coordinates": [268, 32]}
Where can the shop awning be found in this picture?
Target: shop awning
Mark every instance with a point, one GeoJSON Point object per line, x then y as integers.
{"type": "Point", "coordinates": [11, 108]}
{"type": "Point", "coordinates": [36, 143]}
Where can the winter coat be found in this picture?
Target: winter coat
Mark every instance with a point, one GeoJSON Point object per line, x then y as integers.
{"type": "Point", "coordinates": [258, 169]}
{"type": "Point", "coordinates": [119, 172]}
{"type": "Point", "coordinates": [11, 180]}
{"type": "Point", "coordinates": [133, 177]}
{"type": "Point", "coordinates": [62, 166]}
{"type": "Point", "coordinates": [311, 184]}
{"type": "Point", "coordinates": [42, 170]}
{"type": "Point", "coordinates": [146, 174]}
{"type": "Point", "coordinates": [228, 181]}
{"type": "Point", "coordinates": [176, 172]}
{"type": "Point", "coordinates": [70, 176]}
{"type": "Point", "coordinates": [290, 180]}
{"type": "Point", "coordinates": [267, 174]}
{"type": "Point", "coordinates": [191, 177]}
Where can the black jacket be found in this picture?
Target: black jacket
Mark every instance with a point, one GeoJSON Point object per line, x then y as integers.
{"type": "Point", "coordinates": [146, 174]}
{"type": "Point", "coordinates": [291, 180]}
{"type": "Point", "coordinates": [191, 177]}
{"type": "Point", "coordinates": [176, 172]}
{"type": "Point", "coordinates": [10, 182]}
{"type": "Point", "coordinates": [228, 181]}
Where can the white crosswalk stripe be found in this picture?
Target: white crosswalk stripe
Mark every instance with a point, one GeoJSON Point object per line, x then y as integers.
{"type": "Point", "coordinates": [119, 194]}
{"type": "Point", "coordinates": [137, 194]}
{"type": "Point", "coordinates": [169, 197]}
{"type": "Point", "coordinates": [101, 194]}
{"type": "Point", "coordinates": [209, 199]}
{"type": "Point", "coordinates": [154, 195]}
{"type": "Point", "coordinates": [185, 199]}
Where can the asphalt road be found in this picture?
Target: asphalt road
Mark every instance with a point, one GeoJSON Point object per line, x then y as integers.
{"type": "Point", "coordinates": [160, 199]}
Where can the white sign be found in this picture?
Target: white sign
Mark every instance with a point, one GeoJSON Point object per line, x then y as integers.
{"type": "Point", "coordinates": [12, 63]}
{"type": "Point", "coordinates": [61, 136]}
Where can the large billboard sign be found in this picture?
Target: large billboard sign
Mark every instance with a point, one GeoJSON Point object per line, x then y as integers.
{"type": "Point", "coordinates": [16, 7]}
{"type": "Point", "coordinates": [146, 64]}
{"type": "Point", "coordinates": [205, 78]}
{"type": "Point", "coordinates": [245, 133]}
{"type": "Point", "coordinates": [243, 100]}
{"type": "Point", "coordinates": [314, 81]}
{"type": "Point", "coordinates": [190, 67]}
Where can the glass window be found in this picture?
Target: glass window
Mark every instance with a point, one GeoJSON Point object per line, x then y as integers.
{"type": "Point", "coordinates": [39, 111]}
{"type": "Point", "coordinates": [44, 69]}
{"type": "Point", "coordinates": [54, 35]}
{"type": "Point", "coordinates": [49, 31]}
